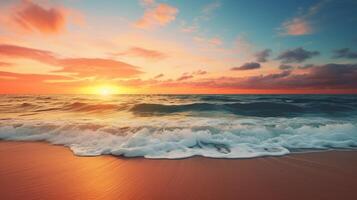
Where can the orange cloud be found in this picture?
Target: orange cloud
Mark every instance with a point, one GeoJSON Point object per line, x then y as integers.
{"type": "Point", "coordinates": [82, 67]}
{"type": "Point", "coordinates": [145, 53]}
{"type": "Point", "coordinates": [31, 77]}
{"type": "Point", "coordinates": [158, 15]}
{"type": "Point", "coordinates": [5, 64]}
{"type": "Point", "coordinates": [97, 67]}
{"type": "Point", "coordinates": [28, 53]}
{"type": "Point", "coordinates": [17, 83]}
{"type": "Point", "coordinates": [32, 17]}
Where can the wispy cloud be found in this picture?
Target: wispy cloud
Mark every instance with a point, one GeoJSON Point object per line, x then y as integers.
{"type": "Point", "coordinates": [209, 9]}
{"type": "Point", "coordinates": [158, 76]}
{"type": "Point", "coordinates": [215, 41]}
{"type": "Point", "coordinates": [149, 54]}
{"type": "Point", "coordinates": [204, 15]}
{"type": "Point", "coordinates": [247, 66]}
{"type": "Point", "coordinates": [199, 72]}
{"type": "Point", "coordinates": [184, 77]}
{"type": "Point", "coordinates": [191, 75]}
{"type": "Point", "coordinates": [345, 53]}
{"type": "Point", "coordinates": [286, 67]}
{"type": "Point", "coordinates": [262, 56]}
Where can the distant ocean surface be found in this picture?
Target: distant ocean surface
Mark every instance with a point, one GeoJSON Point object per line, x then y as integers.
{"type": "Point", "coordinates": [180, 126]}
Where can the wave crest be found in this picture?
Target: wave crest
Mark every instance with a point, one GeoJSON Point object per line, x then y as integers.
{"type": "Point", "coordinates": [217, 139]}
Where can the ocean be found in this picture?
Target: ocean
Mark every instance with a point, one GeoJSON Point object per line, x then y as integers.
{"type": "Point", "coordinates": [181, 126]}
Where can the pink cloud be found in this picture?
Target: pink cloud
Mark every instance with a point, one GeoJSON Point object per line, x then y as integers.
{"type": "Point", "coordinates": [31, 16]}
{"type": "Point", "coordinates": [296, 26]}
{"type": "Point", "coordinates": [215, 41]}
{"type": "Point", "coordinates": [302, 23]}
{"type": "Point", "coordinates": [158, 15]}
{"type": "Point", "coordinates": [189, 29]}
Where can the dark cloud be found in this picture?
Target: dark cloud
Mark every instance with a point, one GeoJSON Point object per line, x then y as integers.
{"type": "Point", "coordinates": [345, 53]}
{"type": "Point", "coordinates": [307, 66]}
{"type": "Point", "coordinates": [158, 76]}
{"type": "Point", "coordinates": [329, 76]}
{"type": "Point", "coordinates": [324, 78]}
{"type": "Point", "coordinates": [184, 77]}
{"type": "Point", "coordinates": [262, 56]}
{"type": "Point", "coordinates": [247, 66]}
{"type": "Point", "coordinates": [297, 55]}
{"type": "Point", "coordinates": [286, 67]}
{"type": "Point", "coordinates": [199, 72]}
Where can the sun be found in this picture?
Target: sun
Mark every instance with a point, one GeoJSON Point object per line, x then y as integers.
{"type": "Point", "coordinates": [102, 90]}
{"type": "Point", "coordinates": [106, 90]}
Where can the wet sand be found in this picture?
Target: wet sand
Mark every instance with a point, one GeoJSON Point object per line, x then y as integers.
{"type": "Point", "coordinates": [43, 171]}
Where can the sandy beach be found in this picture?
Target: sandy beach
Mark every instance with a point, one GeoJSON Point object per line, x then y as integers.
{"type": "Point", "coordinates": [42, 171]}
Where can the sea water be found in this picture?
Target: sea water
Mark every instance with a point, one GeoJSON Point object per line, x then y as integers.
{"type": "Point", "coordinates": [180, 126]}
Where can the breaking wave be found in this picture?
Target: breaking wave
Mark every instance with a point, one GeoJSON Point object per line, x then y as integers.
{"type": "Point", "coordinates": [180, 126]}
{"type": "Point", "coordinates": [191, 137]}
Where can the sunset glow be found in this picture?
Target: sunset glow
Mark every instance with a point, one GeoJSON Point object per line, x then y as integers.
{"type": "Point", "coordinates": [205, 47]}
{"type": "Point", "coordinates": [194, 99]}
{"type": "Point", "coordinates": [104, 90]}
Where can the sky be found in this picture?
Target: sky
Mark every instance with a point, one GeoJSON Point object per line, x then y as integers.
{"type": "Point", "coordinates": [178, 46]}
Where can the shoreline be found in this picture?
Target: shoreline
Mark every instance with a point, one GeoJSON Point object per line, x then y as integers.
{"type": "Point", "coordinates": [37, 170]}
{"type": "Point", "coordinates": [292, 153]}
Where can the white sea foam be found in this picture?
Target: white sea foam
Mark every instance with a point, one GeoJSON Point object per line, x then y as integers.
{"type": "Point", "coordinates": [172, 138]}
